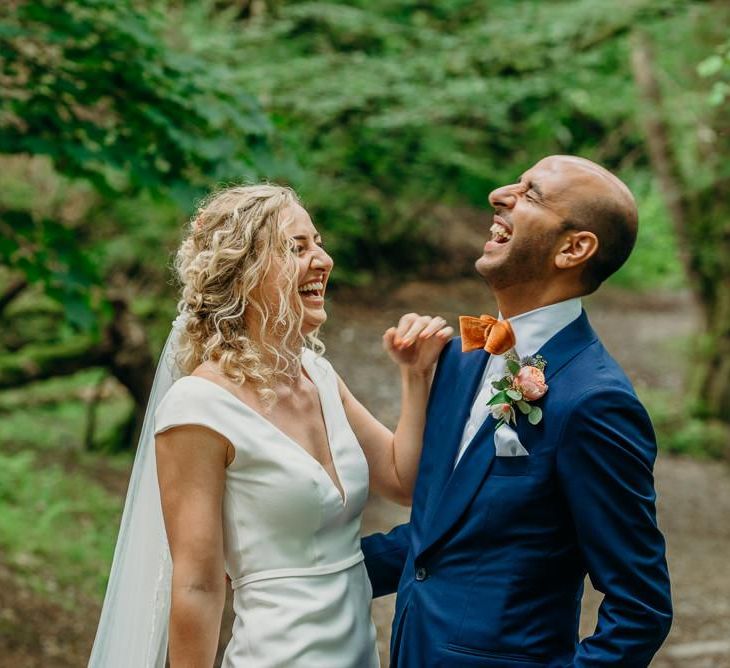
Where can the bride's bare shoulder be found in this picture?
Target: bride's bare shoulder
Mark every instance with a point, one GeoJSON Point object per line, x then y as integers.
{"type": "Point", "coordinates": [208, 371]}
{"type": "Point", "coordinates": [213, 373]}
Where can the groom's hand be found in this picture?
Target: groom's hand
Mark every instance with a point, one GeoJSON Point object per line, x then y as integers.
{"type": "Point", "coordinates": [416, 343]}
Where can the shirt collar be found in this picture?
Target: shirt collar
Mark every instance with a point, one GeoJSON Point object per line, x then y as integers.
{"type": "Point", "coordinates": [535, 328]}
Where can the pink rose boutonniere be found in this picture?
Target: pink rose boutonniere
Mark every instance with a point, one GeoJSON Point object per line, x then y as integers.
{"type": "Point", "coordinates": [523, 382]}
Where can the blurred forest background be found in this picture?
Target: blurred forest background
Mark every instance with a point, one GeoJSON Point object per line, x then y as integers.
{"type": "Point", "coordinates": [393, 119]}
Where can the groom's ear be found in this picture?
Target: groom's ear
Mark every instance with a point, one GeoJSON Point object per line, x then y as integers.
{"type": "Point", "coordinates": [576, 248]}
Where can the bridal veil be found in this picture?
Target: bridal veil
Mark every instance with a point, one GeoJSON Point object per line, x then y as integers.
{"type": "Point", "coordinates": [133, 627]}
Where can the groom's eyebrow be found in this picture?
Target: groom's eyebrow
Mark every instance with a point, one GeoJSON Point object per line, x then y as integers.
{"type": "Point", "coordinates": [531, 185]}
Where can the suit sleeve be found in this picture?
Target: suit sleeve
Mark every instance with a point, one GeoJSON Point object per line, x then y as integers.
{"type": "Point", "coordinates": [385, 557]}
{"type": "Point", "coordinates": [605, 467]}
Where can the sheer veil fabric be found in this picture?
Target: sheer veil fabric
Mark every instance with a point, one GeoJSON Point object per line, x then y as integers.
{"type": "Point", "coordinates": [133, 627]}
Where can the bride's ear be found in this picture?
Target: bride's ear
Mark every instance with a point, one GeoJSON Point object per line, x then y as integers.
{"type": "Point", "coordinates": [576, 248]}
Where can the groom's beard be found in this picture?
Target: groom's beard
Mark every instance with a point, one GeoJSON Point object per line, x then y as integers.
{"type": "Point", "coordinates": [527, 261]}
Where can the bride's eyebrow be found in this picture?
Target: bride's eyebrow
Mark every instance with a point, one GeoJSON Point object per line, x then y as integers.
{"type": "Point", "coordinates": [304, 237]}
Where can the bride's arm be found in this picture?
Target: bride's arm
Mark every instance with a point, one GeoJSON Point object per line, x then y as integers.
{"type": "Point", "coordinates": [191, 463]}
{"type": "Point", "coordinates": [393, 458]}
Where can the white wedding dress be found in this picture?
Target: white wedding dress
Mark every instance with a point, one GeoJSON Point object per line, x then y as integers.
{"type": "Point", "coordinates": [292, 542]}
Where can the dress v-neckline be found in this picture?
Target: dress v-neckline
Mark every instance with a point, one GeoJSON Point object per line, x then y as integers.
{"type": "Point", "coordinates": [339, 488]}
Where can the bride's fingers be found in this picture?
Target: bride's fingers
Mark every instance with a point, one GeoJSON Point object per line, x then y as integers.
{"type": "Point", "coordinates": [404, 324]}
{"type": "Point", "coordinates": [417, 326]}
{"type": "Point", "coordinates": [389, 338]}
{"type": "Point", "coordinates": [434, 326]}
{"type": "Point", "coordinates": [435, 344]}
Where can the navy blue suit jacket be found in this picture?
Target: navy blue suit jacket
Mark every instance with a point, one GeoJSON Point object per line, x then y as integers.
{"type": "Point", "coordinates": [489, 570]}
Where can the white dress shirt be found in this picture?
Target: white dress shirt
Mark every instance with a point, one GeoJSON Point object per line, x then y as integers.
{"type": "Point", "coordinates": [532, 331]}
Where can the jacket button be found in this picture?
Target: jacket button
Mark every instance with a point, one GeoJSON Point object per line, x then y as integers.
{"type": "Point", "coordinates": [421, 574]}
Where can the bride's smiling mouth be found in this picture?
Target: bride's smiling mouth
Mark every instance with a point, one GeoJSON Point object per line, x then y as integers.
{"type": "Point", "coordinates": [312, 292]}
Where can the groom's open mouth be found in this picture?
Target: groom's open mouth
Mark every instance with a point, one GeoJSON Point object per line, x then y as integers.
{"type": "Point", "coordinates": [501, 232]}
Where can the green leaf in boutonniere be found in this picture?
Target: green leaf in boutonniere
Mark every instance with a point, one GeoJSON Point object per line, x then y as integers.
{"type": "Point", "coordinates": [499, 398]}
{"type": "Point", "coordinates": [535, 415]}
{"type": "Point", "coordinates": [513, 366]}
{"type": "Point", "coordinates": [515, 395]}
{"type": "Point", "coordinates": [502, 384]}
{"type": "Point", "coordinates": [524, 407]}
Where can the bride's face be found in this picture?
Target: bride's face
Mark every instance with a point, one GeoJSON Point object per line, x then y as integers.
{"type": "Point", "coordinates": [313, 266]}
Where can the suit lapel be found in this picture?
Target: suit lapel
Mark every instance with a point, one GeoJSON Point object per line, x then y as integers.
{"type": "Point", "coordinates": [566, 344]}
{"type": "Point", "coordinates": [462, 484]}
{"type": "Point", "coordinates": [455, 410]}
{"type": "Point", "coordinates": [456, 489]}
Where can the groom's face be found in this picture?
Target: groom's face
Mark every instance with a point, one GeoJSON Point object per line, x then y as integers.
{"type": "Point", "coordinates": [527, 226]}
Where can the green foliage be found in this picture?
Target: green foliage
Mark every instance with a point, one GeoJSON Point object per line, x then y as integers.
{"type": "Point", "coordinates": [394, 107]}
{"type": "Point", "coordinates": [384, 110]}
{"type": "Point", "coordinates": [717, 67]}
{"type": "Point", "coordinates": [94, 86]}
{"type": "Point", "coordinates": [56, 529]}
{"type": "Point", "coordinates": [680, 433]}
{"type": "Point", "coordinates": [52, 416]}
{"type": "Point", "coordinates": [47, 253]}
{"type": "Point", "coordinates": [700, 438]}
{"type": "Point", "coordinates": [700, 144]}
{"type": "Point", "coordinates": [654, 263]}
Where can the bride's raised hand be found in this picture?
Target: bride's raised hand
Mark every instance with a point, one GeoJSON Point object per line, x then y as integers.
{"type": "Point", "coordinates": [417, 341]}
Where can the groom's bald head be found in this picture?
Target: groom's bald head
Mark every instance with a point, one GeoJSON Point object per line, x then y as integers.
{"type": "Point", "coordinates": [596, 201]}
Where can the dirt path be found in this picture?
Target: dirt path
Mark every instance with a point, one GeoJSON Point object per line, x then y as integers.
{"type": "Point", "coordinates": [694, 497]}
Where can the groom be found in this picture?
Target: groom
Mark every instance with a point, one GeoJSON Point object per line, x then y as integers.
{"type": "Point", "coordinates": [508, 519]}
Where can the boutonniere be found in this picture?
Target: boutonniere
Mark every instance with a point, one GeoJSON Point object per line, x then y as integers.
{"type": "Point", "coordinates": [523, 382]}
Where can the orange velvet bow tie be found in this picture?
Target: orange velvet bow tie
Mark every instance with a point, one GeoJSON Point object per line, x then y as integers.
{"type": "Point", "coordinates": [495, 336]}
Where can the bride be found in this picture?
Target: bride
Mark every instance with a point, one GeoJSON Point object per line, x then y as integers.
{"type": "Point", "coordinates": [255, 459]}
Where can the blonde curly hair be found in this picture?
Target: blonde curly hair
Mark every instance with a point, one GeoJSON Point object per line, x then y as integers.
{"type": "Point", "coordinates": [236, 239]}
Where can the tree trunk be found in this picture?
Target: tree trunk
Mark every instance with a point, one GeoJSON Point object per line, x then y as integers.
{"type": "Point", "coordinates": [702, 225]}
{"type": "Point", "coordinates": [712, 382]}
{"type": "Point", "coordinates": [246, 9]}
{"type": "Point", "coordinates": [711, 231]}
{"type": "Point", "coordinates": [123, 349]}
{"type": "Point", "coordinates": [11, 292]}
{"type": "Point", "coordinates": [33, 363]}
{"type": "Point", "coordinates": [663, 161]}
{"type": "Point", "coordinates": [132, 364]}
{"type": "Point", "coordinates": [92, 406]}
